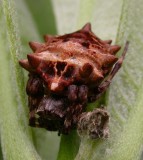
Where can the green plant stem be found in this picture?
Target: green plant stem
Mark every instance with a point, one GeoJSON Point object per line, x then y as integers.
{"type": "Point", "coordinates": [68, 146]}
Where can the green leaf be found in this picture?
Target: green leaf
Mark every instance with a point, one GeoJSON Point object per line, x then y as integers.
{"type": "Point", "coordinates": [15, 135]}
{"type": "Point", "coordinates": [47, 143]}
{"type": "Point", "coordinates": [66, 12]}
{"type": "Point", "coordinates": [86, 10]}
{"type": "Point", "coordinates": [125, 95]}
{"type": "Point", "coordinates": [103, 15]}
{"type": "Point", "coordinates": [43, 16]}
{"type": "Point", "coordinates": [14, 46]}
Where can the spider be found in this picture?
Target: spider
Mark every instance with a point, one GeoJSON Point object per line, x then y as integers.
{"type": "Point", "coordinates": [65, 73]}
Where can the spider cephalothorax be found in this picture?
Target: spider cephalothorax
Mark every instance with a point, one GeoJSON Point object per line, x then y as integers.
{"type": "Point", "coordinates": [65, 73]}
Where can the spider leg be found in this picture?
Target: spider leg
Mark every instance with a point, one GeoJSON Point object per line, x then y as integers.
{"type": "Point", "coordinates": [72, 116]}
{"type": "Point", "coordinates": [35, 93]}
{"type": "Point", "coordinates": [83, 94]}
{"type": "Point", "coordinates": [105, 84]}
{"type": "Point", "coordinates": [72, 93]}
{"type": "Point", "coordinates": [76, 107]}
